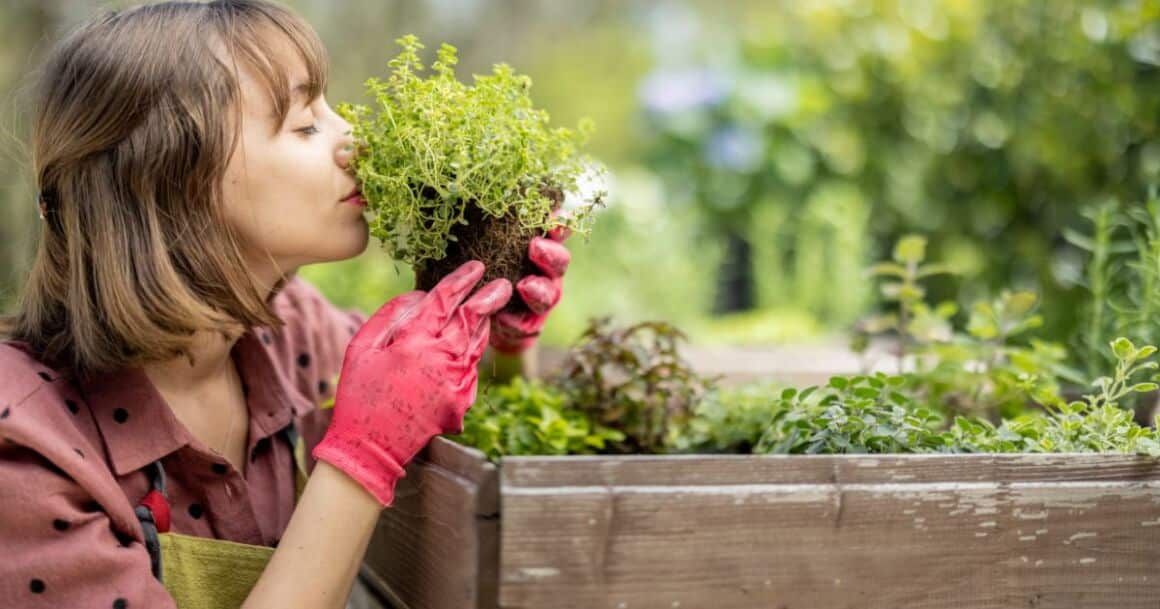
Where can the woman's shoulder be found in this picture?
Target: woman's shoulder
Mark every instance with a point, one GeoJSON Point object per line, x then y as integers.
{"type": "Point", "coordinates": [44, 419]}
{"type": "Point", "coordinates": [35, 399]}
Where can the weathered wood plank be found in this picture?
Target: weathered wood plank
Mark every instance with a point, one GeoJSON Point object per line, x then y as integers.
{"type": "Point", "coordinates": [970, 531]}
{"type": "Point", "coordinates": [436, 546]}
{"type": "Point", "coordinates": [670, 470]}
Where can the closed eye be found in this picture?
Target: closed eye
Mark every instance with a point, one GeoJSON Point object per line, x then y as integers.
{"type": "Point", "coordinates": [311, 130]}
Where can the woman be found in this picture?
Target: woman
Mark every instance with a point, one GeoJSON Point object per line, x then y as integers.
{"type": "Point", "coordinates": [165, 359]}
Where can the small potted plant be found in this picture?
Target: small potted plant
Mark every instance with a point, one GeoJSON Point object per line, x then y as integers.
{"type": "Point", "coordinates": [454, 172]}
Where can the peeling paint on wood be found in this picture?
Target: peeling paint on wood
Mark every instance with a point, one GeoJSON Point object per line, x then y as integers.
{"type": "Point", "coordinates": [731, 531]}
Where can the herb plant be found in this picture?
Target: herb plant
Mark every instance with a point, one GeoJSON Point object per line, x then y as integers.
{"type": "Point", "coordinates": [531, 418]}
{"type": "Point", "coordinates": [992, 368]}
{"type": "Point", "coordinates": [453, 172]}
{"type": "Point", "coordinates": [634, 380]}
{"type": "Point", "coordinates": [1121, 276]}
{"type": "Point", "coordinates": [866, 413]}
{"type": "Point", "coordinates": [880, 414]}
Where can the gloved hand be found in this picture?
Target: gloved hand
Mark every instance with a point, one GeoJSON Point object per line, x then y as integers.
{"type": "Point", "coordinates": [409, 374]}
{"type": "Point", "coordinates": [513, 333]}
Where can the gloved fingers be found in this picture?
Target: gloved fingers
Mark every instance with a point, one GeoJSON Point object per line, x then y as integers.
{"type": "Point", "coordinates": [379, 329]}
{"type": "Point", "coordinates": [517, 325]}
{"type": "Point", "coordinates": [540, 293]}
{"type": "Point", "coordinates": [551, 256]}
{"type": "Point", "coordinates": [512, 333]}
{"type": "Point", "coordinates": [478, 343]}
{"type": "Point", "coordinates": [475, 313]}
{"type": "Point", "coordinates": [466, 390]}
{"type": "Point", "coordinates": [485, 303]}
{"type": "Point", "coordinates": [441, 302]}
{"type": "Point", "coordinates": [559, 233]}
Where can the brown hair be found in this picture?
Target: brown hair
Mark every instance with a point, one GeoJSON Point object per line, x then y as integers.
{"type": "Point", "coordinates": [136, 116]}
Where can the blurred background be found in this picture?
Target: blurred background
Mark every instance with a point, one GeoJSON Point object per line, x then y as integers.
{"type": "Point", "coordinates": [762, 155]}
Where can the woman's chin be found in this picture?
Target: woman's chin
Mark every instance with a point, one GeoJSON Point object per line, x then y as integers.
{"type": "Point", "coordinates": [353, 245]}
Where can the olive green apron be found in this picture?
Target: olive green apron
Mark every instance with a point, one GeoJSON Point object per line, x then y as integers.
{"type": "Point", "coordinates": [203, 573]}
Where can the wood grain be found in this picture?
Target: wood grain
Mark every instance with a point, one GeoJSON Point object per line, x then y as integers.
{"type": "Point", "coordinates": [436, 546]}
{"type": "Point", "coordinates": [970, 531]}
{"type": "Point", "coordinates": [732, 531]}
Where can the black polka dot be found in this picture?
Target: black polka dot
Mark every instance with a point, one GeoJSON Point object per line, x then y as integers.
{"type": "Point", "coordinates": [46, 376]}
{"type": "Point", "coordinates": [72, 406]}
{"type": "Point", "coordinates": [304, 359]}
{"type": "Point", "coordinates": [36, 585]}
{"type": "Point", "coordinates": [323, 386]}
{"type": "Point", "coordinates": [120, 604]}
{"type": "Point", "coordinates": [120, 415]}
{"type": "Point", "coordinates": [220, 468]}
{"type": "Point", "coordinates": [4, 413]}
{"type": "Point", "coordinates": [195, 510]}
{"type": "Point", "coordinates": [265, 338]}
{"type": "Point", "coordinates": [78, 452]}
{"type": "Point", "coordinates": [60, 525]}
{"type": "Point", "coordinates": [274, 543]}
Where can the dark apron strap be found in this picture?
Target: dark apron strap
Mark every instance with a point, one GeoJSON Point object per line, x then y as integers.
{"type": "Point", "coordinates": [156, 474]}
{"type": "Point", "coordinates": [144, 514]}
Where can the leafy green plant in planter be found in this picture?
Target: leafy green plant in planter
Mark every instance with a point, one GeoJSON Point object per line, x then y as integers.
{"type": "Point", "coordinates": [728, 419]}
{"type": "Point", "coordinates": [884, 414]}
{"type": "Point", "coordinates": [452, 172]}
{"type": "Point", "coordinates": [632, 379]}
{"type": "Point", "coordinates": [867, 413]}
{"type": "Point", "coordinates": [915, 320]}
{"type": "Point", "coordinates": [1122, 278]}
{"type": "Point", "coordinates": [991, 369]}
{"type": "Point", "coordinates": [530, 418]}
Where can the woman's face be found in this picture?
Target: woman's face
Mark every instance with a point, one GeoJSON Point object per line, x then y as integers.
{"type": "Point", "coordinates": [285, 184]}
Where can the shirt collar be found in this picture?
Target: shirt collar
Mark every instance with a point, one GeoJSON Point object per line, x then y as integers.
{"type": "Point", "coordinates": [138, 427]}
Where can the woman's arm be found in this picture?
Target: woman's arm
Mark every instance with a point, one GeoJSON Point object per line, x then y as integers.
{"type": "Point", "coordinates": [324, 544]}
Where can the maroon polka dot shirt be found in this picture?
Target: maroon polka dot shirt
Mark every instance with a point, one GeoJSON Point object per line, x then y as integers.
{"type": "Point", "coordinates": [71, 459]}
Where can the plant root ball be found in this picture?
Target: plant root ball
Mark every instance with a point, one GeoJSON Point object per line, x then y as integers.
{"type": "Point", "coordinates": [501, 244]}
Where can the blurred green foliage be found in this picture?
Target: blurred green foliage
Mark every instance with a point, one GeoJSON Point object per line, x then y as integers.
{"type": "Point", "coordinates": [987, 125]}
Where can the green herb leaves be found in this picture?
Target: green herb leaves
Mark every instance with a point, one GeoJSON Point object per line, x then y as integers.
{"type": "Point", "coordinates": [433, 145]}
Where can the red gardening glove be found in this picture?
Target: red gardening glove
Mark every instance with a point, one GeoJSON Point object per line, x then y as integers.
{"type": "Point", "coordinates": [513, 333]}
{"type": "Point", "coordinates": [409, 374]}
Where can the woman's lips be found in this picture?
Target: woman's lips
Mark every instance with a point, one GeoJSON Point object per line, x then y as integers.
{"type": "Point", "coordinates": [356, 199]}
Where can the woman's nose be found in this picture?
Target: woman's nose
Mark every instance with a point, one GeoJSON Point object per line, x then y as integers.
{"type": "Point", "coordinates": [347, 152]}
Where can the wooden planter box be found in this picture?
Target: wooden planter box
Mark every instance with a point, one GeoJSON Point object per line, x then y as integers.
{"type": "Point", "coordinates": [732, 531]}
